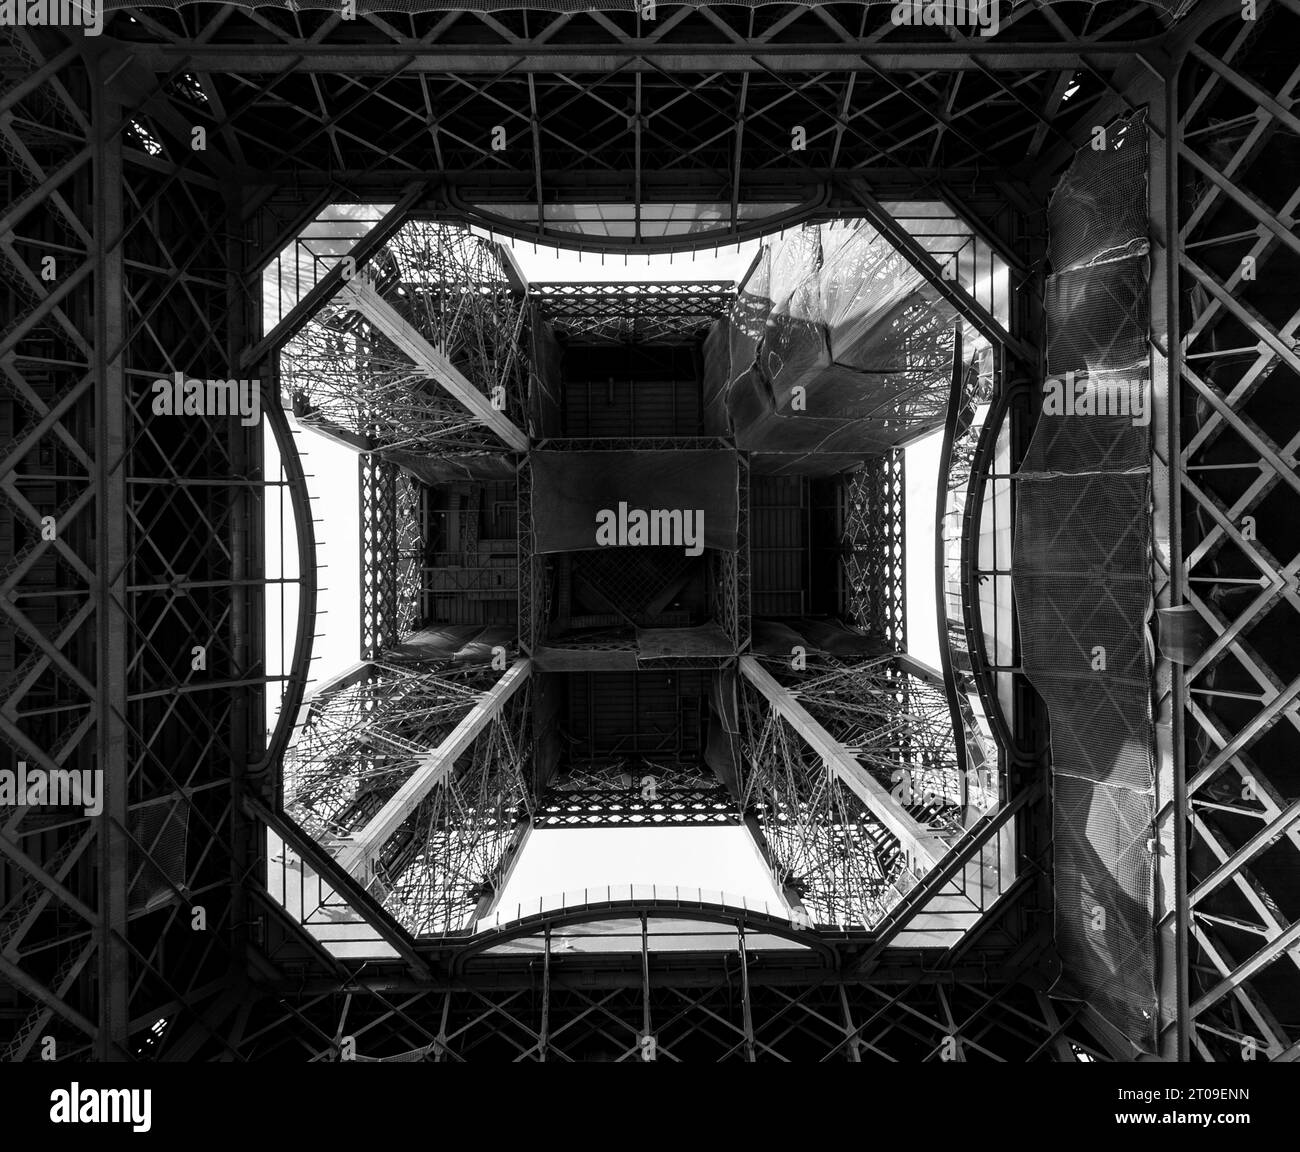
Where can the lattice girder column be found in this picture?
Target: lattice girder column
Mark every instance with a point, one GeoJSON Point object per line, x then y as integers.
{"type": "Point", "coordinates": [1235, 584]}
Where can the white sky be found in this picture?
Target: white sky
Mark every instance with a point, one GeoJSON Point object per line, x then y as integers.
{"type": "Point", "coordinates": [569, 859]}
{"type": "Point", "coordinates": [332, 482]}
{"type": "Point", "coordinates": [543, 264]}
{"type": "Point", "coordinates": [556, 860]}
{"type": "Point", "coordinates": [921, 474]}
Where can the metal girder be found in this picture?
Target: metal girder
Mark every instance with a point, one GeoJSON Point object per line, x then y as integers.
{"type": "Point", "coordinates": [432, 770]}
{"type": "Point", "coordinates": [111, 569]}
{"type": "Point", "coordinates": [177, 735]}
{"type": "Point", "coordinates": [148, 559]}
{"type": "Point", "coordinates": [1234, 554]}
{"type": "Point", "coordinates": [679, 58]}
{"type": "Point", "coordinates": [384, 317]}
{"type": "Point", "coordinates": [923, 846]}
{"type": "Point", "coordinates": [564, 1018]}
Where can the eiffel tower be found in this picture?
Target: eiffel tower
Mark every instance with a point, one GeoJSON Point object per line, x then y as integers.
{"type": "Point", "coordinates": [1053, 818]}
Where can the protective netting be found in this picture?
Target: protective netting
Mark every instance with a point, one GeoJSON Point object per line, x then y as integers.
{"type": "Point", "coordinates": [1091, 224]}
{"type": "Point", "coordinates": [1096, 317]}
{"type": "Point", "coordinates": [836, 347]}
{"type": "Point", "coordinates": [157, 866]}
{"type": "Point", "coordinates": [1082, 581]}
{"type": "Point", "coordinates": [1103, 882]}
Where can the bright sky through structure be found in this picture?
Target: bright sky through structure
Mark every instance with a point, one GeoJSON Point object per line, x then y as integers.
{"type": "Point", "coordinates": [332, 482]}
{"type": "Point", "coordinates": [558, 860]}
{"type": "Point", "coordinates": [920, 476]}
{"type": "Point", "coordinates": [542, 264]}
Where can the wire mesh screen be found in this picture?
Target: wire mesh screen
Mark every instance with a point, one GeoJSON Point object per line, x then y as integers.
{"type": "Point", "coordinates": [160, 834]}
{"type": "Point", "coordinates": [1097, 317]}
{"type": "Point", "coordinates": [1082, 583]}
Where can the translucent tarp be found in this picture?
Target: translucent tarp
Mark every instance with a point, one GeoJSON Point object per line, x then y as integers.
{"type": "Point", "coordinates": [1081, 575]}
{"type": "Point", "coordinates": [836, 347]}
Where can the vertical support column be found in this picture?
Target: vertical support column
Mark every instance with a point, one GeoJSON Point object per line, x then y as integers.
{"type": "Point", "coordinates": [645, 988]}
{"type": "Point", "coordinates": [247, 603]}
{"type": "Point", "coordinates": [544, 1032]}
{"type": "Point", "coordinates": [110, 568]}
{"type": "Point", "coordinates": [747, 1015]}
{"type": "Point", "coordinates": [1171, 908]}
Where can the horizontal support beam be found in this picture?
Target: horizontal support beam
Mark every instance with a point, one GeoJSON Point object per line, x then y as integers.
{"type": "Point", "coordinates": [357, 858]}
{"type": "Point", "coordinates": [637, 56]}
{"type": "Point", "coordinates": [439, 369]}
{"type": "Point", "coordinates": [922, 845]}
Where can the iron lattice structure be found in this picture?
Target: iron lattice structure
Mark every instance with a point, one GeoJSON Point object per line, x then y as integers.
{"type": "Point", "coordinates": [1233, 511]}
{"type": "Point", "coordinates": [392, 553]}
{"type": "Point", "coordinates": [632, 313]}
{"type": "Point", "coordinates": [459, 293]}
{"type": "Point", "coordinates": [632, 794]}
{"type": "Point", "coordinates": [158, 247]}
{"type": "Point", "coordinates": [851, 870]}
{"type": "Point", "coordinates": [899, 727]}
{"type": "Point", "coordinates": [453, 853]}
{"type": "Point", "coordinates": [824, 845]}
{"type": "Point", "coordinates": [366, 738]}
{"type": "Point", "coordinates": [365, 735]}
{"type": "Point", "coordinates": [875, 540]}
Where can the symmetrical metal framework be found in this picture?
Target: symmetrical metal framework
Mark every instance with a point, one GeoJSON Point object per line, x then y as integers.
{"type": "Point", "coordinates": [127, 254]}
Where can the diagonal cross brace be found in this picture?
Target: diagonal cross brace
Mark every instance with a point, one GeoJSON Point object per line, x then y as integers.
{"type": "Point", "coordinates": [923, 846]}
{"type": "Point", "coordinates": [430, 361]}
{"type": "Point", "coordinates": [357, 858]}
